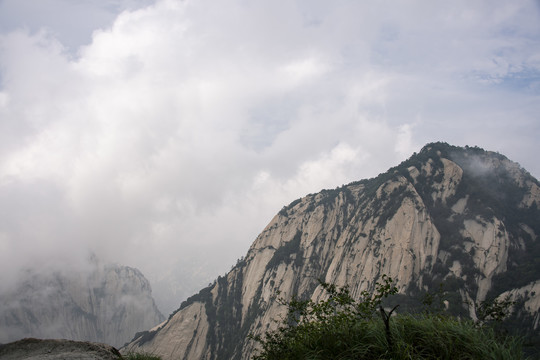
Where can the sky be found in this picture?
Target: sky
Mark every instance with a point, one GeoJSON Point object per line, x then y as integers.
{"type": "Point", "coordinates": [165, 135]}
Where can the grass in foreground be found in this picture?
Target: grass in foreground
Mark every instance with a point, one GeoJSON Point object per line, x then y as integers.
{"type": "Point", "coordinates": [413, 337]}
{"type": "Point", "coordinates": [343, 328]}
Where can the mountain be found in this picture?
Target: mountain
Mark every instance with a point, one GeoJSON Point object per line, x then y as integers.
{"type": "Point", "coordinates": [463, 217]}
{"type": "Point", "coordinates": [108, 304]}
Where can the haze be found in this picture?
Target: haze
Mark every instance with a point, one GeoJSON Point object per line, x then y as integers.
{"type": "Point", "coordinates": [165, 135]}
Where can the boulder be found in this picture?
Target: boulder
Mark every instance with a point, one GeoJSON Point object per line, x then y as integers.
{"type": "Point", "coordinates": [34, 349]}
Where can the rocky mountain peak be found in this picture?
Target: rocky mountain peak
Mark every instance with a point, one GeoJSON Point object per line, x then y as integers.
{"type": "Point", "coordinates": [462, 217]}
{"type": "Point", "coordinates": [105, 303]}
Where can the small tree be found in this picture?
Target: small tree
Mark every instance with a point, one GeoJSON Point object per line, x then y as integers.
{"type": "Point", "coordinates": [308, 322]}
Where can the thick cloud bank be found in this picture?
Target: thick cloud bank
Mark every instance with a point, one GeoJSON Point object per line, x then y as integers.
{"type": "Point", "coordinates": [170, 139]}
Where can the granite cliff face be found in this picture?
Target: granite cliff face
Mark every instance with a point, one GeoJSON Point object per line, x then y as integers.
{"type": "Point", "coordinates": [108, 304]}
{"type": "Point", "coordinates": [459, 216]}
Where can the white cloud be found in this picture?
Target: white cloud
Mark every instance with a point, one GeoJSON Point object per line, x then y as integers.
{"type": "Point", "coordinates": [300, 71]}
{"type": "Point", "coordinates": [404, 144]}
{"type": "Point", "coordinates": [170, 140]}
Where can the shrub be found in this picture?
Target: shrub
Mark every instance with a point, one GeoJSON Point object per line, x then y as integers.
{"type": "Point", "coordinates": [342, 328]}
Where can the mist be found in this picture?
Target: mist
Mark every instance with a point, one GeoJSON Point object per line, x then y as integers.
{"type": "Point", "coordinates": [165, 135]}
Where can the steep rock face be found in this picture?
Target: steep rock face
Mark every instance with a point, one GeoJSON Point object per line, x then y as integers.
{"type": "Point", "coordinates": [463, 217]}
{"type": "Point", "coordinates": [527, 303]}
{"type": "Point", "coordinates": [108, 304]}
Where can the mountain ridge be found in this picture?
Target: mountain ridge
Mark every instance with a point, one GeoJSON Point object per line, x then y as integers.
{"type": "Point", "coordinates": [464, 217]}
{"type": "Point", "coordinates": [105, 303]}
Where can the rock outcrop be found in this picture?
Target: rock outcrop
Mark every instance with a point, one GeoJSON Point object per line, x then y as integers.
{"type": "Point", "coordinates": [463, 217]}
{"type": "Point", "coordinates": [526, 304]}
{"type": "Point", "coordinates": [36, 349]}
{"type": "Point", "coordinates": [107, 304]}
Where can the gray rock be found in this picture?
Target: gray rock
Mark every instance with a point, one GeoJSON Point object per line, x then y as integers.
{"type": "Point", "coordinates": [105, 303]}
{"type": "Point", "coordinates": [30, 349]}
